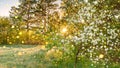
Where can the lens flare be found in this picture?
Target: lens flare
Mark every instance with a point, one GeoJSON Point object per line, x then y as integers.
{"type": "Point", "coordinates": [64, 30]}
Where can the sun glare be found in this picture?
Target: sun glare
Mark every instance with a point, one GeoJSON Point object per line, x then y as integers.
{"type": "Point", "coordinates": [64, 30]}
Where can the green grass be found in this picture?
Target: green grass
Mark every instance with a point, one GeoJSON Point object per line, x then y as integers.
{"type": "Point", "coordinates": [34, 57]}
{"type": "Point", "coordinates": [10, 58]}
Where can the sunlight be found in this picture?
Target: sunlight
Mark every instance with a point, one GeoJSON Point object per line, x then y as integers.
{"type": "Point", "coordinates": [64, 30]}
{"type": "Point", "coordinates": [62, 33]}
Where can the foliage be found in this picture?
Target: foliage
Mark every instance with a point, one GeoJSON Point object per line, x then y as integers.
{"type": "Point", "coordinates": [77, 33]}
{"type": "Point", "coordinates": [4, 29]}
{"type": "Point", "coordinates": [99, 35]}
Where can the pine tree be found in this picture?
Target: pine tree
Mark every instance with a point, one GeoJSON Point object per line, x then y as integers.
{"type": "Point", "coordinates": [32, 12]}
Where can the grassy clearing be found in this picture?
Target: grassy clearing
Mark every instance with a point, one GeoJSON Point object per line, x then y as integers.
{"type": "Point", "coordinates": [20, 57]}
{"type": "Point", "coordinates": [26, 56]}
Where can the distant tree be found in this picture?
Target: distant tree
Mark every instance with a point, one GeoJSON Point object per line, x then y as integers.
{"type": "Point", "coordinates": [4, 30]}
{"type": "Point", "coordinates": [23, 13]}
{"type": "Point", "coordinates": [32, 12]}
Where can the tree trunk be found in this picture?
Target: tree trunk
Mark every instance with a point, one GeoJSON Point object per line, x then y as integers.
{"type": "Point", "coordinates": [28, 18]}
{"type": "Point", "coordinates": [76, 57]}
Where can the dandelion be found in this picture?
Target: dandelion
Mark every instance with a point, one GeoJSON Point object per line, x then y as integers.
{"type": "Point", "coordinates": [4, 46]}
{"type": "Point", "coordinates": [19, 53]}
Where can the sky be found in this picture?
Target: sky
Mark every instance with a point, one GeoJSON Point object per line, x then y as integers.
{"type": "Point", "coordinates": [5, 6]}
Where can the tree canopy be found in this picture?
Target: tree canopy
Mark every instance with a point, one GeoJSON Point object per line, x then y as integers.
{"type": "Point", "coordinates": [75, 29]}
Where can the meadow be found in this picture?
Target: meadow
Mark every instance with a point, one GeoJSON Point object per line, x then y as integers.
{"type": "Point", "coordinates": [29, 56]}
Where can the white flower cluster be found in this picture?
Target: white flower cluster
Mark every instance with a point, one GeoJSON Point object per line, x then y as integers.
{"type": "Point", "coordinates": [97, 38]}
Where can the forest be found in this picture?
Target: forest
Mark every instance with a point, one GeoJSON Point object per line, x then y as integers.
{"type": "Point", "coordinates": [61, 34]}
